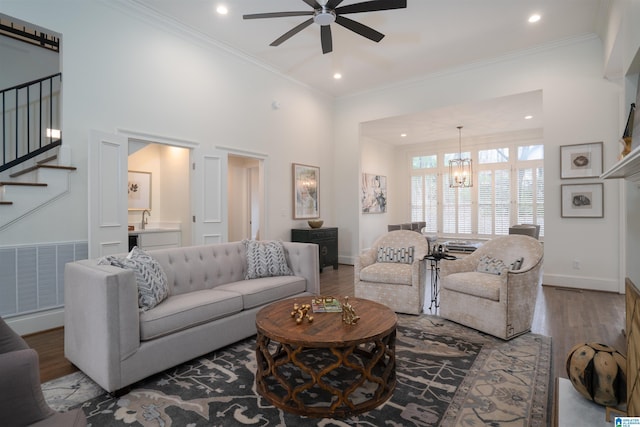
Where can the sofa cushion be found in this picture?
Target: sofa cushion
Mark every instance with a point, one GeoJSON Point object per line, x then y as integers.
{"type": "Point", "coordinates": [261, 291]}
{"type": "Point", "coordinates": [266, 259]}
{"type": "Point", "coordinates": [386, 272]}
{"type": "Point", "coordinates": [403, 255]}
{"type": "Point", "coordinates": [184, 311]}
{"type": "Point", "coordinates": [481, 285]}
{"type": "Point", "coordinates": [150, 278]}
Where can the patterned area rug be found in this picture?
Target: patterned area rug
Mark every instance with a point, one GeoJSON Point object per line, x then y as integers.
{"type": "Point", "coordinates": [448, 375]}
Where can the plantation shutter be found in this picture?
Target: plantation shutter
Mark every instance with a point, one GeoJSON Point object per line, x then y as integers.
{"type": "Point", "coordinates": [502, 196]}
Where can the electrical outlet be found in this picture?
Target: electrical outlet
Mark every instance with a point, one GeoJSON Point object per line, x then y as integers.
{"type": "Point", "coordinates": [576, 264]}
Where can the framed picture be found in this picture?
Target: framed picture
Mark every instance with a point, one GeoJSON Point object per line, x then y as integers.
{"type": "Point", "coordinates": [581, 160]}
{"type": "Point", "coordinates": [582, 200]}
{"type": "Point", "coordinates": [306, 191]}
{"type": "Point", "coordinates": [139, 190]}
{"type": "Point", "coordinates": [374, 193]}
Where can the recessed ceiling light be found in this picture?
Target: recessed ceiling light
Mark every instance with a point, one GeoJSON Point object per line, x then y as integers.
{"type": "Point", "coordinates": [534, 18]}
{"type": "Point", "coordinates": [404, 135]}
{"type": "Point", "coordinates": [528, 117]}
{"type": "Point", "coordinates": [337, 76]}
{"type": "Point", "coordinates": [222, 9]}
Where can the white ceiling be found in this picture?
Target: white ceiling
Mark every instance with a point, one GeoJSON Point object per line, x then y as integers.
{"type": "Point", "coordinates": [427, 37]}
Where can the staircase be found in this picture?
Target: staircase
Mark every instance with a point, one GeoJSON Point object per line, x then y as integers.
{"type": "Point", "coordinates": [34, 167]}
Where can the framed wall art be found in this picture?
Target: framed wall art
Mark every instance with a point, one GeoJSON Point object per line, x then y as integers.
{"type": "Point", "coordinates": [582, 200]}
{"type": "Point", "coordinates": [581, 160]}
{"type": "Point", "coordinates": [374, 193]}
{"type": "Point", "coordinates": [139, 190]}
{"type": "Point", "coordinates": [306, 191]}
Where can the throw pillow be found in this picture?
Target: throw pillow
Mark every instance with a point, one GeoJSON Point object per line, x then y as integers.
{"type": "Point", "coordinates": [266, 259]}
{"type": "Point", "coordinates": [517, 264]}
{"type": "Point", "coordinates": [490, 265]}
{"type": "Point", "coordinates": [150, 278]}
{"type": "Point", "coordinates": [401, 255]}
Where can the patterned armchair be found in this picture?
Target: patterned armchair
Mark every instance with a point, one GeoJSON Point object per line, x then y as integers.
{"type": "Point", "coordinates": [393, 272]}
{"type": "Point", "coordinates": [494, 290]}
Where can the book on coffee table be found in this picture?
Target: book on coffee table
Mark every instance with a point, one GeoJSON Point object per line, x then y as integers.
{"type": "Point", "coordinates": [326, 305]}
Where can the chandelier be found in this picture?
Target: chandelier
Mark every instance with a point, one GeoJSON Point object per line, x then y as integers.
{"type": "Point", "coordinates": [460, 170]}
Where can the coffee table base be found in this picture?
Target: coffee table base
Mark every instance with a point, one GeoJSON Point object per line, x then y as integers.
{"type": "Point", "coordinates": [331, 382]}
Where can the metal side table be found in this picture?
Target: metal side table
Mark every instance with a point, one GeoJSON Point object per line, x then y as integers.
{"type": "Point", "coordinates": [434, 259]}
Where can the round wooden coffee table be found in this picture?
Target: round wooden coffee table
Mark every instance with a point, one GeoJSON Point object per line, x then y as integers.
{"type": "Point", "coordinates": [326, 368]}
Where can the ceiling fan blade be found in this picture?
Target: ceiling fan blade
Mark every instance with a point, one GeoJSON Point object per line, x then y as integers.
{"type": "Point", "coordinates": [372, 6]}
{"type": "Point", "coordinates": [332, 4]}
{"type": "Point", "coordinates": [359, 28]}
{"type": "Point", "coordinates": [276, 14]}
{"type": "Point", "coordinates": [326, 39]}
{"type": "Point", "coordinates": [313, 3]}
{"type": "Point", "coordinates": [292, 32]}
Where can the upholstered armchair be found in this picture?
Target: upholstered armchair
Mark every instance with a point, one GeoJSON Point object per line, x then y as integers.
{"type": "Point", "coordinates": [21, 400]}
{"type": "Point", "coordinates": [393, 272]}
{"type": "Point", "coordinates": [494, 290]}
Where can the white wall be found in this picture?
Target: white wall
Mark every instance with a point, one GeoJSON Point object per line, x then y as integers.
{"type": "Point", "coordinates": [123, 71]}
{"type": "Point", "coordinates": [579, 107]}
{"type": "Point", "coordinates": [374, 159]}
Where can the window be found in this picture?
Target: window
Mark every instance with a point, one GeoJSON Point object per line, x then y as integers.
{"type": "Point", "coordinates": [508, 189]}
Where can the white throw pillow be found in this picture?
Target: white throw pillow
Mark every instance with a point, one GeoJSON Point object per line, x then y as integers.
{"type": "Point", "coordinates": [490, 265]}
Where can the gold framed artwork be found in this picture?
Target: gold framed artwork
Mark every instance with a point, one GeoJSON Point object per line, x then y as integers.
{"type": "Point", "coordinates": [581, 160]}
{"type": "Point", "coordinates": [139, 190]}
{"type": "Point", "coordinates": [306, 191]}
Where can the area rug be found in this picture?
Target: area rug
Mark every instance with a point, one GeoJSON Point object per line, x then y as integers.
{"type": "Point", "coordinates": [447, 375]}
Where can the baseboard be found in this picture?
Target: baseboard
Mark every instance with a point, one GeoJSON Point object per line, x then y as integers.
{"type": "Point", "coordinates": [348, 260]}
{"type": "Point", "coordinates": [37, 322]}
{"type": "Point", "coordinates": [581, 282]}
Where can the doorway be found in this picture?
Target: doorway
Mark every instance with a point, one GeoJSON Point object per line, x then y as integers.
{"type": "Point", "coordinates": [246, 198]}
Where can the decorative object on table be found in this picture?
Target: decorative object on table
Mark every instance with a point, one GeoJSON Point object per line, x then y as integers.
{"type": "Point", "coordinates": [315, 223]}
{"type": "Point", "coordinates": [582, 200]}
{"type": "Point", "coordinates": [301, 312]}
{"type": "Point", "coordinates": [460, 170]}
{"type": "Point", "coordinates": [306, 191]}
{"type": "Point", "coordinates": [598, 372]}
{"type": "Point", "coordinates": [139, 190]}
{"type": "Point", "coordinates": [326, 305]}
{"type": "Point", "coordinates": [348, 313]}
{"type": "Point", "coordinates": [374, 193]}
{"type": "Point", "coordinates": [581, 160]}
{"type": "Point", "coordinates": [627, 136]}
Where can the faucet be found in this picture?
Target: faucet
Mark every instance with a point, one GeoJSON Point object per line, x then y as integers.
{"type": "Point", "coordinates": [144, 221]}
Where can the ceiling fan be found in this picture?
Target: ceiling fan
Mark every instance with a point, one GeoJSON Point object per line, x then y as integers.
{"type": "Point", "coordinates": [326, 12]}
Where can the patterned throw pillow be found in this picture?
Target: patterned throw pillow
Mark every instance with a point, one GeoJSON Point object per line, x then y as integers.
{"type": "Point", "coordinates": [401, 255]}
{"type": "Point", "coordinates": [517, 264]}
{"type": "Point", "coordinates": [150, 278]}
{"type": "Point", "coordinates": [266, 259]}
{"type": "Point", "coordinates": [490, 265]}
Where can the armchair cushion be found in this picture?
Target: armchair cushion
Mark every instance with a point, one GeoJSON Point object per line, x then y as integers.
{"type": "Point", "coordinates": [384, 272]}
{"type": "Point", "coordinates": [477, 284]}
{"type": "Point", "coordinates": [402, 255]}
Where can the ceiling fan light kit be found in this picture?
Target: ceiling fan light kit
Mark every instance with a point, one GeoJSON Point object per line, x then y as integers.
{"type": "Point", "coordinates": [326, 12]}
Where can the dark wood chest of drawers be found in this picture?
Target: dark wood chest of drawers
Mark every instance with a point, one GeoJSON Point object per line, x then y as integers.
{"type": "Point", "coordinates": [325, 238]}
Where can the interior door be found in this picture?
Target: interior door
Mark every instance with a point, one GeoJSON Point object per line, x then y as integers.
{"type": "Point", "coordinates": [209, 179]}
{"type": "Point", "coordinates": [108, 157]}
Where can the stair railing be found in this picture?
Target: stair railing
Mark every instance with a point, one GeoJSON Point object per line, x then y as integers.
{"type": "Point", "coordinates": [30, 120]}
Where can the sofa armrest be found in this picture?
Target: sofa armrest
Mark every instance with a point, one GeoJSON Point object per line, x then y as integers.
{"type": "Point", "coordinates": [101, 319]}
{"type": "Point", "coordinates": [22, 401]}
{"type": "Point", "coordinates": [304, 261]}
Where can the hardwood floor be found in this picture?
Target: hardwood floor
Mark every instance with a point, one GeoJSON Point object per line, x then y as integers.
{"type": "Point", "coordinates": [568, 316]}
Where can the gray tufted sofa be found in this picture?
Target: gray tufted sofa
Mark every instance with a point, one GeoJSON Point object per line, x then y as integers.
{"type": "Point", "coordinates": [210, 305]}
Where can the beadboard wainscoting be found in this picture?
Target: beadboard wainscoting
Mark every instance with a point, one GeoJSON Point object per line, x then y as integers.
{"type": "Point", "coordinates": [33, 278]}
